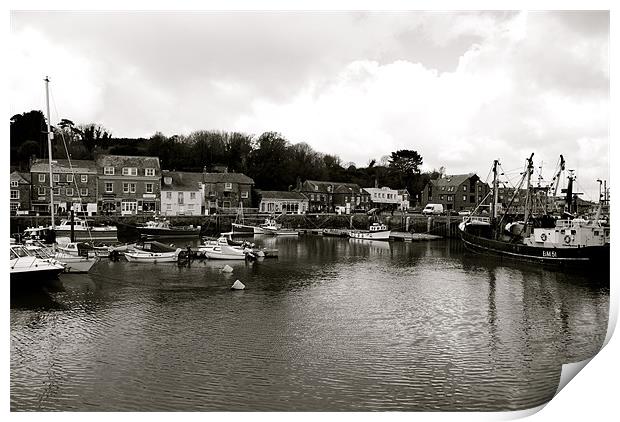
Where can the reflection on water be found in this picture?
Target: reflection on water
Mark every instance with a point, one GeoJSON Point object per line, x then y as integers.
{"type": "Point", "coordinates": [332, 324]}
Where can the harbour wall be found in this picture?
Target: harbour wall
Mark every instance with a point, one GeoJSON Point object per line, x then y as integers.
{"type": "Point", "coordinates": [441, 225]}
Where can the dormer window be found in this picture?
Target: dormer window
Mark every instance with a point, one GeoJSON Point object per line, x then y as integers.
{"type": "Point", "coordinates": [316, 188]}
{"type": "Point", "coordinates": [108, 171]}
{"type": "Point", "coordinates": [149, 172]}
{"type": "Point", "coordinates": [168, 180]}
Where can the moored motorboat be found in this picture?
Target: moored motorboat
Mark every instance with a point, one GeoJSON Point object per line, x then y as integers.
{"type": "Point", "coordinates": [26, 266]}
{"type": "Point", "coordinates": [152, 252]}
{"type": "Point", "coordinates": [376, 231]}
{"type": "Point", "coordinates": [161, 229]}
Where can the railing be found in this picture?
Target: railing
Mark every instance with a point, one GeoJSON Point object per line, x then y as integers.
{"type": "Point", "coordinates": [477, 219]}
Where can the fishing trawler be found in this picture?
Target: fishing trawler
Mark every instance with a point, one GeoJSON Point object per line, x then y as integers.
{"type": "Point", "coordinates": [543, 239]}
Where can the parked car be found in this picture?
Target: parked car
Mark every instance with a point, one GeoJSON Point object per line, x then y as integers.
{"type": "Point", "coordinates": [432, 209]}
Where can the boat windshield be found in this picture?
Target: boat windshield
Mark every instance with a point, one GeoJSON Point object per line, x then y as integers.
{"type": "Point", "coordinates": [18, 252]}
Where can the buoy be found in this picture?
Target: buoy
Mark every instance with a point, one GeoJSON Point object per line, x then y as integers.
{"type": "Point", "coordinates": [227, 269]}
{"type": "Point", "coordinates": [237, 285]}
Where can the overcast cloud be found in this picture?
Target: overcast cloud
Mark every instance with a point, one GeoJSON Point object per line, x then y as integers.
{"type": "Point", "coordinates": [461, 88]}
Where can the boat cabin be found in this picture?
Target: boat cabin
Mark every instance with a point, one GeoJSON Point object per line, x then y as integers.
{"type": "Point", "coordinates": [376, 227]}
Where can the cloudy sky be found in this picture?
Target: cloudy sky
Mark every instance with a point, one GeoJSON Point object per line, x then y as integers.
{"type": "Point", "coordinates": [462, 88]}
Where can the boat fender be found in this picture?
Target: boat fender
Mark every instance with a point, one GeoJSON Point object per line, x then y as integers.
{"type": "Point", "coordinates": [543, 237]}
{"type": "Point", "coordinates": [567, 239]}
{"type": "Point", "coordinates": [227, 269]}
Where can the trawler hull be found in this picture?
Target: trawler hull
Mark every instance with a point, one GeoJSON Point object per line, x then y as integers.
{"type": "Point", "coordinates": [560, 256]}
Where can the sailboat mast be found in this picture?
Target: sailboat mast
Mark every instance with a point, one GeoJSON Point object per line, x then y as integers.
{"type": "Point", "coordinates": [495, 191]}
{"type": "Point", "coordinates": [528, 199]}
{"type": "Point", "coordinates": [49, 148]}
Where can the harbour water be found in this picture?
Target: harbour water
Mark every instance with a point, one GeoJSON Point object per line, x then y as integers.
{"type": "Point", "coordinates": [332, 324]}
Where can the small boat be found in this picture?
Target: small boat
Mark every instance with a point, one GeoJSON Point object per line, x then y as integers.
{"type": "Point", "coordinates": [224, 248]}
{"type": "Point", "coordinates": [271, 227]}
{"type": "Point", "coordinates": [152, 252]}
{"type": "Point", "coordinates": [84, 230]}
{"type": "Point", "coordinates": [336, 232]}
{"type": "Point", "coordinates": [239, 227]}
{"type": "Point", "coordinates": [76, 257]}
{"type": "Point", "coordinates": [376, 231]}
{"type": "Point", "coordinates": [26, 266]}
{"type": "Point", "coordinates": [161, 229]}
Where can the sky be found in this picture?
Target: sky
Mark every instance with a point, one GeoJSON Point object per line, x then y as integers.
{"type": "Point", "coordinates": [461, 88]}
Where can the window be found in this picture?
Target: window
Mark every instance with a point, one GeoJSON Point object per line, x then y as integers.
{"type": "Point", "coordinates": [192, 195]}
{"type": "Point", "coordinates": [84, 192]}
{"type": "Point", "coordinates": [130, 171]}
{"type": "Point", "coordinates": [441, 197]}
{"type": "Point", "coordinates": [149, 188]}
{"type": "Point", "coordinates": [228, 186]}
{"type": "Point", "coordinates": [14, 206]}
{"type": "Point", "coordinates": [41, 191]}
{"type": "Point", "coordinates": [464, 188]}
{"type": "Point", "coordinates": [69, 178]}
{"type": "Point", "coordinates": [129, 187]}
{"type": "Point", "coordinates": [84, 178]}
{"type": "Point", "coordinates": [168, 195]}
{"type": "Point", "coordinates": [56, 177]}
{"type": "Point", "coordinates": [149, 172]}
{"type": "Point", "coordinates": [169, 207]}
{"type": "Point", "coordinates": [129, 207]}
{"type": "Point", "coordinates": [56, 191]}
{"type": "Point", "coordinates": [42, 177]}
{"type": "Point", "coordinates": [14, 194]}
{"type": "Point", "coordinates": [190, 206]}
{"type": "Point", "coordinates": [108, 171]}
{"type": "Point", "coordinates": [244, 194]}
{"type": "Point", "coordinates": [443, 188]}
{"type": "Point", "coordinates": [14, 183]}
{"type": "Point", "coordinates": [180, 198]}
{"type": "Point", "coordinates": [465, 197]}
{"type": "Point", "coordinates": [109, 187]}
{"type": "Point", "coordinates": [450, 198]}
{"type": "Point", "coordinates": [69, 191]}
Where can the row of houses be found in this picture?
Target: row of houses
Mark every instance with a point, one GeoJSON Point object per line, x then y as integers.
{"type": "Point", "coordinates": [125, 185]}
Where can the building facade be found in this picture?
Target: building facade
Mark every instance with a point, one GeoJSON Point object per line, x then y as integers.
{"type": "Point", "coordinates": [384, 198]}
{"type": "Point", "coordinates": [19, 192]}
{"type": "Point", "coordinates": [326, 196]}
{"type": "Point", "coordinates": [283, 202]}
{"type": "Point", "coordinates": [182, 193]}
{"type": "Point", "coordinates": [128, 184]}
{"type": "Point", "coordinates": [405, 201]}
{"type": "Point", "coordinates": [456, 192]}
{"type": "Point", "coordinates": [74, 186]}
{"type": "Point", "coordinates": [227, 190]}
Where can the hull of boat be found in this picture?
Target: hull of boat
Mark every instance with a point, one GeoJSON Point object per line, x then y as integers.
{"type": "Point", "coordinates": [259, 230]}
{"type": "Point", "coordinates": [31, 270]}
{"type": "Point", "coordinates": [378, 235]}
{"type": "Point", "coordinates": [242, 229]}
{"type": "Point", "coordinates": [562, 256]}
{"type": "Point", "coordinates": [221, 255]}
{"type": "Point", "coordinates": [156, 233]}
{"type": "Point", "coordinates": [86, 235]}
{"type": "Point", "coordinates": [281, 232]}
{"type": "Point", "coordinates": [76, 264]}
{"type": "Point", "coordinates": [151, 258]}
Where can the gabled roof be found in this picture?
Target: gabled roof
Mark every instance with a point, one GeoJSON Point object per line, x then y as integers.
{"type": "Point", "coordinates": [228, 178]}
{"type": "Point", "coordinates": [107, 160]}
{"type": "Point", "coordinates": [287, 195]}
{"type": "Point", "coordinates": [23, 178]}
{"type": "Point", "coordinates": [181, 181]}
{"type": "Point", "coordinates": [62, 166]}
{"type": "Point", "coordinates": [336, 187]}
{"type": "Point", "coordinates": [452, 180]}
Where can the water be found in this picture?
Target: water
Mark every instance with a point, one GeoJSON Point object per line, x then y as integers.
{"type": "Point", "coordinates": [333, 324]}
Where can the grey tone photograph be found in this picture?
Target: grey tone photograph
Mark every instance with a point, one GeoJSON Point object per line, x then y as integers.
{"type": "Point", "coordinates": [306, 211]}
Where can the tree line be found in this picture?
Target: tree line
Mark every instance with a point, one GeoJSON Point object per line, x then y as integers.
{"type": "Point", "coordinates": [274, 162]}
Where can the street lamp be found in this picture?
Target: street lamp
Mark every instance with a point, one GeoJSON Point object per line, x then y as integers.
{"type": "Point", "coordinates": [600, 182]}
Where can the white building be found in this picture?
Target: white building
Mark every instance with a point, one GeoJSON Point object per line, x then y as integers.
{"type": "Point", "coordinates": [182, 193]}
{"type": "Point", "coordinates": [384, 196]}
{"type": "Point", "coordinates": [283, 202]}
